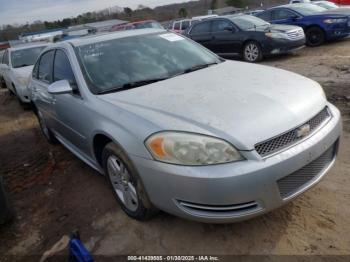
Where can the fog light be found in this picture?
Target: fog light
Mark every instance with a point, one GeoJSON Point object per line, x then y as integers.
{"type": "Point", "coordinates": [275, 51]}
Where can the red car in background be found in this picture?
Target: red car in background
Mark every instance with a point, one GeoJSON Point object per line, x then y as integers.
{"type": "Point", "coordinates": [341, 2]}
{"type": "Point", "coordinates": [138, 25]}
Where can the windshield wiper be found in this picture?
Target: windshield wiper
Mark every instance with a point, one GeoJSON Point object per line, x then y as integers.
{"type": "Point", "coordinates": [131, 85]}
{"type": "Point", "coordinates": [23, 65]}
{"type": "Point", "coordinates": [198, 67]}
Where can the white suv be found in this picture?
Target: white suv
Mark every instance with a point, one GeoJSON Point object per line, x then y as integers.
{"type": "Point", "coordinates": [16, 67]}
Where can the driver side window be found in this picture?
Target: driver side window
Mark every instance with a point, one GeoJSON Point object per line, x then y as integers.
{"type": "Point", "coordinates": [62, 69]}
{"type": "Point", "coordinates": [45, 67]}
{"type": "Point", "coordinates": [280, 14]}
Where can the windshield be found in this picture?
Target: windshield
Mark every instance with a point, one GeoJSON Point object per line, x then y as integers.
{"type": "Point", "coordinates": [308, 9]}
{"type": "Point", "coordinates": [148, 25]}
{"type": "Point", "coordinates": [327, 5]}
{"type": "Point", "coordinates": [25, 57]}
{"type": "Point", "coordinates": [246, 22]}
{"type": "Point", "coordinates": [116, 63]}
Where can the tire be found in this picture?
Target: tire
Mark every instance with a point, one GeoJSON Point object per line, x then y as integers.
{"type": "Point", "coordinates": [252, 52]}
{"type": "Point", "coordinates": [125, 183]}
{"type": "Point", "coordinates": [315, 36]}
{"type": "Point", "coordinates": [50, 137]}
{"type": "Point", "coordinates": [2, 84]}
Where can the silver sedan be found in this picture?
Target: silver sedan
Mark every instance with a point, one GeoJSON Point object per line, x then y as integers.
{"type": "Point", "coordinates": [176, 128]}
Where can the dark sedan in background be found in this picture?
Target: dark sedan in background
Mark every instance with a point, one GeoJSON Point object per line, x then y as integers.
{"type": "Point", "coordinates": [247, 36]}
{"type": "Point", "coordinates": [319, 26]}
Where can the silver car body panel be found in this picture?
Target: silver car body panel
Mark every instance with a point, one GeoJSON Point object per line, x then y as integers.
{"type": "Point", "coordinates": [241, 103]}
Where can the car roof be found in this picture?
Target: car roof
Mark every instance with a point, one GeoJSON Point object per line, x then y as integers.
{"type": "Point", "coordinates": [27, 46]}
{"type": "Point", "coordinates": [113, 35]}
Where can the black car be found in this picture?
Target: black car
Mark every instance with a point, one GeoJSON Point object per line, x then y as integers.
{"type": "Point", "coordinates": [247, 36]}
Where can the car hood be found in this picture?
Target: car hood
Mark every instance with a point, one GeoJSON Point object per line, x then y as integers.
{"type": "Point", "coordinates": [23, 71]}
{"type": "Point", "coordinates": [240, 102]}
{"type": "Point", "coordinates": [275, 28]}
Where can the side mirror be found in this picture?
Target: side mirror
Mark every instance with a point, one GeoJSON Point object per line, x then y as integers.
{"type": "Point", "coordinates": [60, 87]}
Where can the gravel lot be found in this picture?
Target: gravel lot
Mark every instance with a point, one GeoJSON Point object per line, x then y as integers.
{"type": "Point", "coordinates": [54, 193]}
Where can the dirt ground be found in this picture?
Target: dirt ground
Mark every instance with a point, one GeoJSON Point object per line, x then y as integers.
{"type": "Point", "coordinates": [54, 193]}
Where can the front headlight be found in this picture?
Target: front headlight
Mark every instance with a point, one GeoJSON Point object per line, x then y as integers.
{"type": "Point", "coordinates": [23, 81]}
{"type": "Point", "coordinates": [335, 20]}
{"type": "Point", "coordinates": [276, 35]}
{"type": "Point", "coordinates": [191, 149]}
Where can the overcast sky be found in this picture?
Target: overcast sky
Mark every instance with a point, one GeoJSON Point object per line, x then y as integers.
{"type": "Point", "coordinates": [23, 11]}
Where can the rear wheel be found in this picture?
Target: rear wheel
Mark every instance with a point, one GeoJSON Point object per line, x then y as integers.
{"type": "Point", "coordinates": [314, 36]}
{"type": "Point", "coordinates": [125, 183]}
{"type": "Point", "coordinates": [252, 52]}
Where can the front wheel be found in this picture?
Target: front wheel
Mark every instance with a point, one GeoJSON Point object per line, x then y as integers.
{"type": "Point", "coordinates": [252, 52]}
{"type": "Point", "coordinates": [314, 36]}
{"type": "Point", "coordinates": [125, 183]}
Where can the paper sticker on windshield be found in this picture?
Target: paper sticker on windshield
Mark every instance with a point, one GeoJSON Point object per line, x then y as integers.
{"type": "Point", "coordinates": [172, 37]}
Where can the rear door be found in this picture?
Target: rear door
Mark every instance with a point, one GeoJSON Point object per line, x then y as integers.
{"type": "Point", "coordinates": [225, 37]}
{"type": "Point", "coordinates": [201, 33]}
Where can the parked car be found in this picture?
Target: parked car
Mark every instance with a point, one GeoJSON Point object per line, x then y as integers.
{"type": "Point", "coordinates": [341, 2]}
{"type": "Point", "coordinates": [180, 26]}
{"type": "Point", "coordinates": [318, 26]}
{"type": "Point", "coordinates": [138, 25]}
{"type": "Point", "coordinates": [331, 8]}
{"type": "Point", "coordinates": [174, 127]}
{"type": "Point", "coordinates": [247, 36]}
{"type": "Point", "coordinates": [16, 67]}
{"type": "Point", "coordinates": [2, 83]}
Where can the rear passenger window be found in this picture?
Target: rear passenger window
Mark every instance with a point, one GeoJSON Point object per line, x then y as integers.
{"type": "Point", "coordinates": [201, 28]}
{"type": "Point", "coordinates": [221, 25]}
{"type": "Point", "coordinates": [279, 14]}
{"type": "Point", "coordinates": [45, 67]}
{"type": "Point", "coordinates": [62, 69]}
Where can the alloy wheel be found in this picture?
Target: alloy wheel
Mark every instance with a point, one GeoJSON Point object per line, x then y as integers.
{"type": "Point", "coordinates": [122, 184]}
{"type": "Point", "coordinates": [251, 52]}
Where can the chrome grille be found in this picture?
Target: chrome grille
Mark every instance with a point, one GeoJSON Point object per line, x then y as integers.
{"type": "Point", "coordinates": [295, 182]}
{"type": "Point", "coordinates": [296, 34]}
{"type": "Point", "coordinates": [289, 138]}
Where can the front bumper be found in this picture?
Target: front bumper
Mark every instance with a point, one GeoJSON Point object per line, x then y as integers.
{"type": "Point", "coordinates": [282, 46]}
{"type": "Point", "coordinates": [337, 31]}
{"type": "Point", "coordinates": [236, 191]}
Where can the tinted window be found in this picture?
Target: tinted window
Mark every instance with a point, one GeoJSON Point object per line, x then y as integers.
{"type": "Point", "coordinates": [185, 25]}
{"type": "Point", "coordinates": [221, 25]}
{"type": "Point", "coordinates": [45, 67]}
{"type": "Point", "coordinates": [246, 22]}
{"type": "Point", "coordinates": [177, 26]}
{"type": "Point", "coordinates": [1, 56]}
{"type": "Point", "coordinates": [265, 15]}
{"type": "Point", "coordinates": [125, 61]}
{"type": "Point", "coordinates": [62, 69]}
{"type": "Point", "coordinates": [282, 14]}
{"type": "Point", "coordinates": [201, 28]}
{"type": "Point", "coordinates": [25, 57]}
